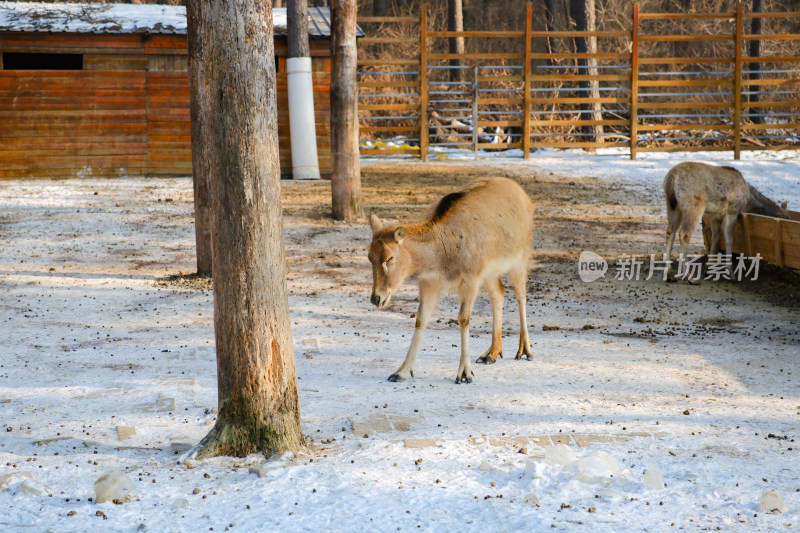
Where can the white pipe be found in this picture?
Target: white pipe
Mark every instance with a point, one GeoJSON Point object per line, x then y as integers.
{"type": "Point", "coordinates": [302, 127]}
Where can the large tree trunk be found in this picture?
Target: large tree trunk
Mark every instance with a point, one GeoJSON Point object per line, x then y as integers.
{"type": "Point", "coordinates": [257, 381]}
{"type": "Point", "coordinates": [554, 22]}
{"type": "Point", "coordinates": [455, 22]}
{"type": "Point", "coordinates": [200, 164]}
{"type": "Point", "coordinates": [585, 19]}
{"type": "Point", "coordinates": [755, 67]}
{"type": "Point", "coordinates": [346, 171]}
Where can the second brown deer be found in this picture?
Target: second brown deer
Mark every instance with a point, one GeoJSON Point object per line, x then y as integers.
{"type": "Point", "coordinates": [718, 195]}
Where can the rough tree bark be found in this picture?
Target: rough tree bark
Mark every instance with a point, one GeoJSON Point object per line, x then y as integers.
{"type": "Point", "coordinates": [755, 67]}
{"type": "Point", "coordinates": [297, 27]}
{"type": "Point", "coordinates": [200, 164]}
{"type": "Point", "coordinates": [554, 22]}
{"type": "Point", "coordinates": [346, 168]}
{"type": "Point", "coordinates": [455, 22]}
{"type": "Point", "coordinates": [257, 381]}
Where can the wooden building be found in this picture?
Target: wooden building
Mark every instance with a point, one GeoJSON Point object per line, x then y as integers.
{"type": "Point", "coordinates": [103, 90]}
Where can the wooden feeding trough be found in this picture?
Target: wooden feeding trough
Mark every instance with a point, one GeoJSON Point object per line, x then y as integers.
{"type": "Point", "coordinates": [777, 240]}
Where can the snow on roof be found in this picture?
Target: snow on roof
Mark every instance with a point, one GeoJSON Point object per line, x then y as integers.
{"type": "Point", "coordinates": [127, 18]}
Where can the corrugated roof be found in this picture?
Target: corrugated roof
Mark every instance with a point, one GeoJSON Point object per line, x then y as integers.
{"type": "Point", "coordinates": [127, 18]}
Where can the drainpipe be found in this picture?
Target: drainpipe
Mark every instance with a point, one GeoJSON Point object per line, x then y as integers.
{"type": "Point", "coordinates": [302, 126]}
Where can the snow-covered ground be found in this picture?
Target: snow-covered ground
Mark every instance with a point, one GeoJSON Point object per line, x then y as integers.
{"type": "Point", "coordinates": [105, 364]}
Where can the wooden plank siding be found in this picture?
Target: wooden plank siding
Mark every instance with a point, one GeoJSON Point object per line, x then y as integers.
{"type": "Point", "coordinates": [126, 113]}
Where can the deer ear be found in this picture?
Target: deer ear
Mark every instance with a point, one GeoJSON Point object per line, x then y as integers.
{"type": "Point", "coordinates": [399, 234]}
{"type": "Point", "coordinates": [375, 223]}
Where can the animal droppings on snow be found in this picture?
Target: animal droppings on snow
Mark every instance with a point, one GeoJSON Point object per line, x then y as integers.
{"type": "Point", "coordinates": [112, 486]}
{"type": "Point", "coordinates": [532, 499]}
{"type": "Point", "coordinates": [124, 432]}
{"type": "Point", "coordinates": [652, 478]}
{"type": "Point", "coordinates": [560, 454]}
{"type": "Point", "coordinates": [772, 502]}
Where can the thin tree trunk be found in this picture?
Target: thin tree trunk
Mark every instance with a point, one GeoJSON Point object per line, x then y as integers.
{"type": "Point", "coordinates": [346, 168]}
{"type": "Point", "coordinates": [584, 19]}
{"type": "Point", "coordinates": [755, 67]}
{"type": "Point", "coordinates": [455, 22]}
{"type": "Point", "coordinates": [379, 8]}
{"type": "Point", "coordinates": [297, 27]}
{"type": "Point", "coordinates": [200, 164]}
{"type": "Point", "coordinates": [257, 380]}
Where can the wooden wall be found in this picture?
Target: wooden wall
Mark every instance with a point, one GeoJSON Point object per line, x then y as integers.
{"type": "Point", "coordinates": [125, 114]}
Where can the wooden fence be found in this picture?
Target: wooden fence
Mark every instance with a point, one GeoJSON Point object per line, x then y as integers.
{"type": "Point", "coordinates": [669, 82]}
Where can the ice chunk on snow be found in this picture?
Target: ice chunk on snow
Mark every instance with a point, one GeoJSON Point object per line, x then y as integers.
{"type": "Point", "coordinates": [486, 465]}
{"type": "Point", "coordinates": [560, 454]}
{"type": "Point", "coordinates": [532, 499]}
{"type": "Point", "coordinates": [534, 469]}
{"type": "Point", "coordinates": [33, 487]}
{"type": "Point", "coordinates": [311, 345]}
{"type": "Point", "coordinates": [112, 485]}
{"type": "Point", "coordinates": [599, 466]}
{"type": "Point", "coordinates": [652, 478]}
{"type": "Point", "coordinates": [772, 502]}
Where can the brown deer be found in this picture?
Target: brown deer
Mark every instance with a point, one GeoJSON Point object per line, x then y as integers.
{"type": "Point", "coordinates": [718, 195]}
{"type": "Point", "coordinates": [469, 239]}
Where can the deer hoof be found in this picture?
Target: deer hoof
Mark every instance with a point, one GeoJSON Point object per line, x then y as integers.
{"type": "Point", "coordinates": [396, 377]}
{"type": "Point", "coordinates": [528, 356]}
{"type": "Point", "coordinates": [486, 359]}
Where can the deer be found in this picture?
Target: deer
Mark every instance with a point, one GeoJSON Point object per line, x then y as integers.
{"type": "Point", "coordinates": [467, 240]}
{"type": "Point", "coordinates": [718, 195]}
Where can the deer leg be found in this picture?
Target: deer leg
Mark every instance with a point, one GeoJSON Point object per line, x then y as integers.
{"type": "Point", "coordinates": [673, 222]}
{"type": "Point", "coordinates": [496, 292]}
{"type": "Point", "coordinates": [519, 278]}
{"type": "Point", "coordinates": [715, 226]}
{"type": "Point", "coordinates": [728, 224]}
{"type": "Point", "coordinates": [429, 294]}
{"type": "Point", "coordinates": [691, 218]}
{"type": "Point", "coordinates": [466, 294]}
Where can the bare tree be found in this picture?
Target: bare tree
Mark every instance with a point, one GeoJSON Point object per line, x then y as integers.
{"type": "Point", "coordinates": [585, 19]}
{"type": "Point", "coordinates": [346, 168]}
{"type": "Point", "coordinates": [200, 164]}
{"type": "Point", "coordinates": [455, 22]}
{"type": "Point", "coordinates": [257, 380]}
{"type": "Point", "coordinates": [300, 83]}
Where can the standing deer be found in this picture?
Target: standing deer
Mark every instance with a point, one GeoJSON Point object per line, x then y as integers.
{"type": "Point", "coordinates": [467, 240]}
{"type": "Point", "coordinates": [718, 195]}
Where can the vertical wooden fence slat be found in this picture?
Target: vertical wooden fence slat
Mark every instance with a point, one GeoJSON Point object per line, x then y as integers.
{"type": "Point", "coordinates": [423, 82]}
{"type": "Point", "coordinates": [526, 106]}
{"type": "Point", "coordinates": [634, 128]}
{"type": "Point", "coordinates": [737, 85]}
{"type": "Point", "coordinates": [475, 113]}
{"type": "Point", "coordinates": [778, 243]}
